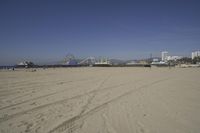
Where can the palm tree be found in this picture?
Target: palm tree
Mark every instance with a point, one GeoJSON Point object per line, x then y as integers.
{"type": "Point", "coordinates": [184, 60]}
{"type": "Point", "coordinates": [196, 60]}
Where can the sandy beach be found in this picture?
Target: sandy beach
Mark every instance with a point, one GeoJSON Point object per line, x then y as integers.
{"type": "Point", "coordinates": [100, 100]}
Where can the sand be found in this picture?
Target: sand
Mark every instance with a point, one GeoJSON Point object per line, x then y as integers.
{"type": "Point", "coordinates": [100, 100]}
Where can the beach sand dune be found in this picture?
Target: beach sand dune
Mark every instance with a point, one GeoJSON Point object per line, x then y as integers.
{"type": "Point", "coordinates": [100, 100]}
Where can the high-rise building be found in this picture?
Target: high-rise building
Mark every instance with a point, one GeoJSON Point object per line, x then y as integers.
{"type": "Point", "coordinates": [195, 54]}
{"type": "Point", "coordinates": [164, 55]}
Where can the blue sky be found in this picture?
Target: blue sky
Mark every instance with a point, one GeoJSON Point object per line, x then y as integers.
{"type": "Point", "coordinates": [45, 31]}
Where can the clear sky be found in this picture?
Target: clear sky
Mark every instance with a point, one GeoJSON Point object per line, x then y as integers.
{"type": "Point", "coordinates": [46, 30]}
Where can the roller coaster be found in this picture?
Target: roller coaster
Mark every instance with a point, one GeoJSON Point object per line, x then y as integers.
{"type": "Point", "coordinates": [70, 60]}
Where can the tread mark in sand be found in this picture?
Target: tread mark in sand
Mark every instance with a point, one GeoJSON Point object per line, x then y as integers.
{"type": "Point", "coordinates": [76, 119]}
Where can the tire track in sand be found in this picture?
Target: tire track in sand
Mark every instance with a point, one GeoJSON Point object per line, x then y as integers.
{"type": "Point", "coordinates": [7, 117]}
{"type": "Point", "coordinates": [36, 98]}
{"type": "Point", "coordinates": [35, 87]}
{"type": "Point", "coordinates": [74, 123]}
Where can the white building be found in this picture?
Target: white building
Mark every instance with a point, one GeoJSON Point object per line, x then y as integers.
{"type": "Point", "coordinates": [173, 58]}
{"type": "Point", "coordinates": [166, 58]}
{"type": "Point", "coordinates": [155, 60]}
{"type": "Point", "coordinates": [131, 63]}
{"type": "Point", "coordinates": [164, 55]}
{"type": "Point", "coordinates": [103, 61]}
{"type": "Point", "coordinates": [195, 54]}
